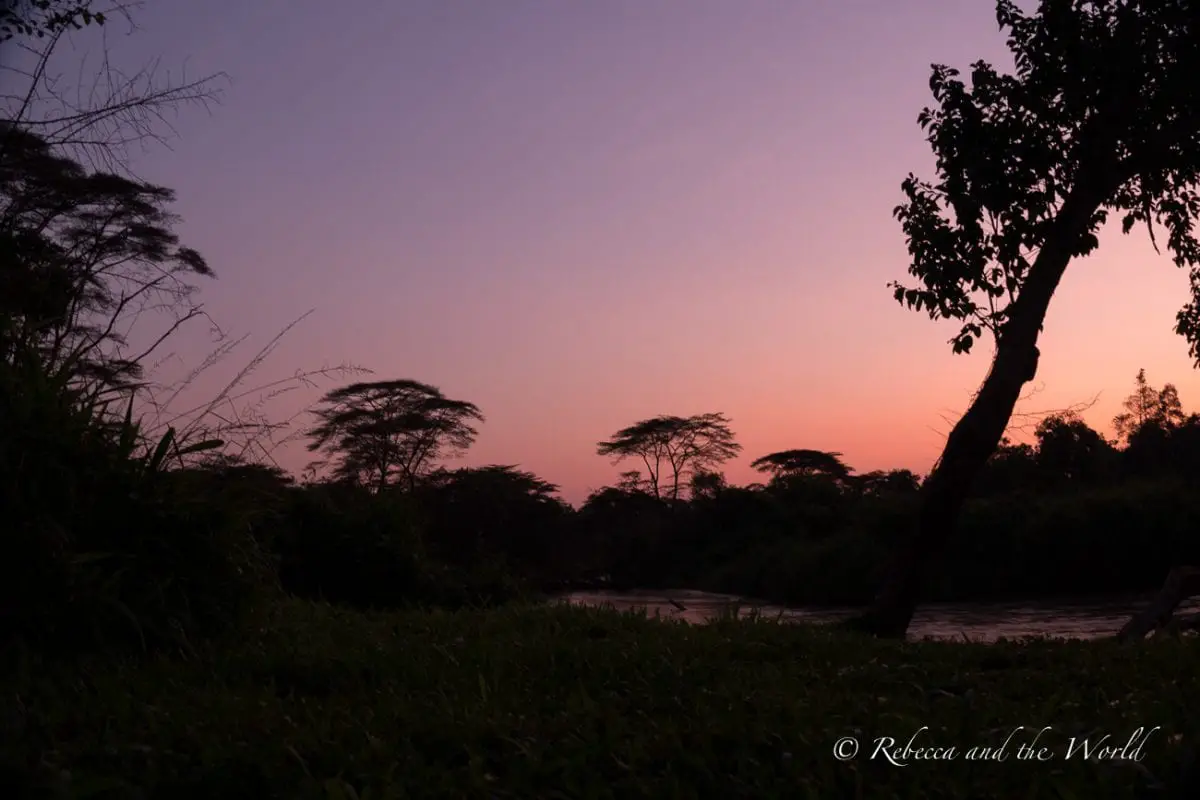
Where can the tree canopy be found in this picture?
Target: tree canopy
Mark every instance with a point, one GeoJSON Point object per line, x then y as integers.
{"type": "Point", "coordinates": [385, 430]}
{"type": "Point", "coordinates": [1148, 405]}
{"type": "Point", "coordinates": [83, 255]}
{"type": "Point", "coordinates": [1102, 116]}
{"type": "Point", "coordinates": [809, 463]}
{"type": "Point", "coordinates": [681, 445]}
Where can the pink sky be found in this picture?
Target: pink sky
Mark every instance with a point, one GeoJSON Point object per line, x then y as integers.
{"type": "Point", "coordinates": [580, 215]}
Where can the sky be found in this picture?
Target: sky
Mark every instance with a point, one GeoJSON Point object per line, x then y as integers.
{"type": "Point", "coordinates": [581, 215]}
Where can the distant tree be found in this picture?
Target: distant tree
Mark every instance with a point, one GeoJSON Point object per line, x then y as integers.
{"type": "Point", "coordinates": [902, 481]}
{"type": "Point", "coordinates": [386, 430]}
{"type": "Point", "coordinates": [1148, 405]}
{"type": "Point", "coordinates": [497, 480]}
{"type": "Point", "coordinates": [632, 481]}
{"type": "Point", "coordinates": [679, 444]}
{"type": "Point", "coordinates": [1010, 468]}
{"type": "Point", "coordinates": [1102, 116]}
{"type": "Point", "coordinates": [494, 510]}
{"type": "Point", "coordinates": [707, 484]}
{"type": "Point", "coordinates": [1068, 449]}
{"type": "Point", "coordinates": [1147, 451]}
{"type": "Point", "coordinates": [620, 527]}
{"type": "Point", "coordinates": [234, 467]}
{"type": "Point", "coordinates": [1185, 448]}
{"type": "Point", "coordinates": [610, 499]}
{"type": "Point", "coordinates": [805, 463]}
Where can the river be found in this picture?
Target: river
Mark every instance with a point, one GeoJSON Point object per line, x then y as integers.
{"type": "Point", "coordinates": [1077, 619]}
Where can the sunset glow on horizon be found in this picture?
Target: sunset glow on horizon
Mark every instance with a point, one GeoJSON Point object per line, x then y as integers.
{"type": "Point", "coordinates": [578, 216]}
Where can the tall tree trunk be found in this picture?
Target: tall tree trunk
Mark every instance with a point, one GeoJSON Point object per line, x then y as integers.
{"type": "Point", "coordinates": [975, 437]}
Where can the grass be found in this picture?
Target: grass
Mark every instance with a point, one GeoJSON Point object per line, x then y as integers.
{"type": "Point", "coordinates": [310, 701]}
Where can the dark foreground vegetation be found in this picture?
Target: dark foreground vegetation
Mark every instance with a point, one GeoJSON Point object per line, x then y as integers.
{"type": "Point", "coordinates": [307, 701]}
{"type": "Point", "coordinates": [179, 617]}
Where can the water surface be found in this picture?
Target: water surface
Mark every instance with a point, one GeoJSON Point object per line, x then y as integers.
{"type": "Point", "coordinates": [1082, 619]}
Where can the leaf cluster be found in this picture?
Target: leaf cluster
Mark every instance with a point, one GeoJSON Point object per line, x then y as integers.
{"type": "Point", "coordinates": [1102, 114]}
{"type": "Point", "coordinates": [43, 18]}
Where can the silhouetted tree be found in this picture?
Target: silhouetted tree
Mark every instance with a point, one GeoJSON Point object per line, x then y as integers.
{"type": "Point", "coordinates": [632, 481]}
{"type": "Point", "coordinates": [82, 255]}
{"type": "Point", "coordinates": [495, 510]}
{"type": "Point", "coordinates": [901, 481]}
{"type": "Point", "coordinates": [1070, 450]}
{"type": "Point", "coordinates": [1009, 468]}
{"type": "Point", "coordinates": [806, 463]}
{"type": "Point", "coordinates": [621, 526]}
{"type": "Point", "coordinates": [1185, 448]}
{"type": "Point", "coordinates": [1148, 405]}
{"type": "Point", "coordinates": [386, 429]}
{"type": "Point", "coordinates": [680, 444]}
{"type": "Point", "coordinates": [1102, 116]}
{"type": "Point", "coordinates": [706, 484]}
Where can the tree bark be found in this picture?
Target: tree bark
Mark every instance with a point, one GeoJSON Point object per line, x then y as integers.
{"type": "Point", "coordinates": [1181, 583]}
{"type": "Point", "coordinates": [975, 436]}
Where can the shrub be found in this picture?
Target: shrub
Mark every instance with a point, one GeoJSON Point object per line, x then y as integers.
{"type": "Point", "coordinates": [100, 548]}
{"type": "Point", "coordinates": [345, 545]}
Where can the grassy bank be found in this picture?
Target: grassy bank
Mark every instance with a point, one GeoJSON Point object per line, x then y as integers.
{"type": "Point", "coordinates": [313, 702]}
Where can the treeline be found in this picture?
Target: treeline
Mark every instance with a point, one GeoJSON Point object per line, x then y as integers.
{"type": "Point", "coordinates": [1069, 513]}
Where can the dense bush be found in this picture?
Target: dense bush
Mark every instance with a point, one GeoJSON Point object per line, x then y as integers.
{"type": "Point", "coordinates": [100, 546]}
{"type": "Point", "coordinates": [1118, 539]}
{"type": "Point", "coordinates": [344, 544]}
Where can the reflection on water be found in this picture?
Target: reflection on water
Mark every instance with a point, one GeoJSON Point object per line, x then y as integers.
{"type": "Point", "coordinates": [975, 621]}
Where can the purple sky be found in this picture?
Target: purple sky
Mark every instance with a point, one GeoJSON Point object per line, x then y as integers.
{"type": "Point", "coordinates": [579, 215]}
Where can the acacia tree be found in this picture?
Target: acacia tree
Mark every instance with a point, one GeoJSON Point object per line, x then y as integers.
{"type": "Point", "coordinates": [1148, 405]}
{"type": "Point", "coordinates": [1102, 116]}
{"type": "Point", "coordinates": [808, 463]}
{"type": "Point", "coordinates": [382, 430]}
{"type": "Point", "coordinates": [682, 445]}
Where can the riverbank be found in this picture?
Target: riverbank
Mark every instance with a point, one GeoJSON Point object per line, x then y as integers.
{"type": "Point", "coordinates": [1064, 617]}
{"type": "Point", "coordinates": [313, 702]}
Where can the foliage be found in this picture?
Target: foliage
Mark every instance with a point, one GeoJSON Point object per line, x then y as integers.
{"type": "Point", "coordinates": [315, 702]}
{"type": "Point", "coordinates": [680, 444]}
{"type": "Point", "coordinates": [803, 462]}
{"type": "Point", "coordinates": [45, 17]}
{"type": "Point", "coordinates": [1101, 115]}
{"type": "Point", "coordinates": [804, 539]}
{"type": "Point", "coordinates": [1148, 405]}
{"type": "Point", "coordinates": [101, 547]}
{"type": "Point", "coordinates": [378, 432]}
{"type": "Point", "coordinates": [344, 544]}
{"type": "Point", "coordinates": [706, 484]}
{"type": "Point", "coordinates": [482, 514]}
{"type": "Point", "coordinates": [885, 481]}
{"type": "Point", "coordinates": [341, 545]}
{"type": "Point", "coordinates": [82, 256]}
{"type": "Point", "coordinates": [1070, 451]}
